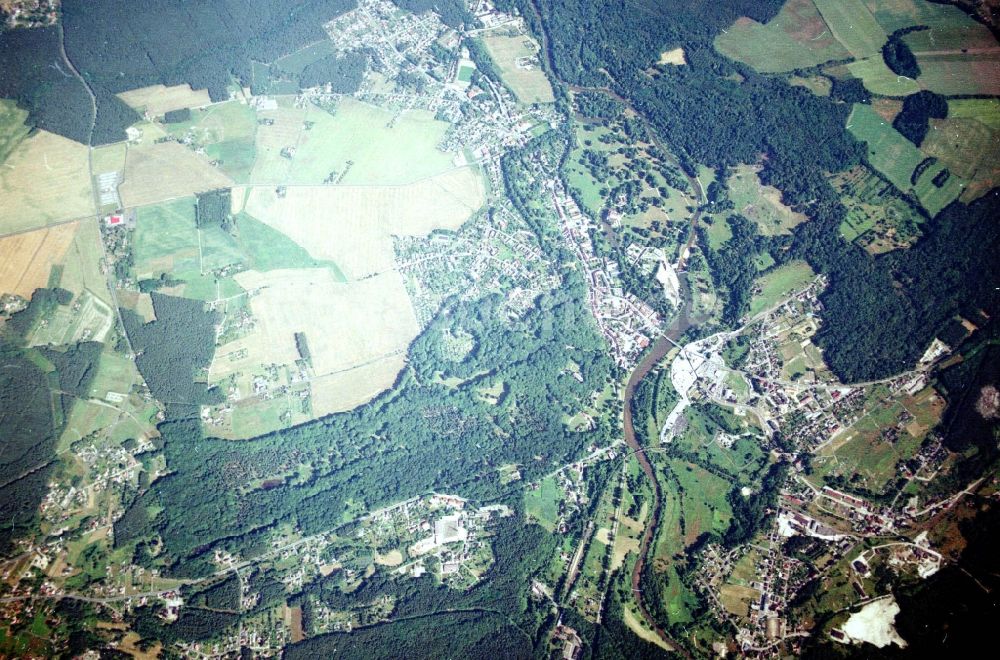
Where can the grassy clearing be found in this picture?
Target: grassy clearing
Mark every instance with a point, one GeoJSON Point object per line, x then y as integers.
{"type": "Point", "coordinates": [356, 144]}
{"type": "Point", "coordinates": [897, 159]}
{"type": "Point", "coordinates": [853, 25]}
{"type": "Point", "coordinates": [81, 267]}
{"type": "Point", "coordinates": [517, 58]}
{"type": "Point", "coordinates": [761, 203]}
{"type": "Point", "coordinates": [12, 127]}
{"type": "Point", "coordinates": [166, 239]}
{"type": "Point", "coordinates": [796, 38]}
{"type": "Point", "coordinates": [45, 179]}
{"type": "Point", "coordinates": [777, 284]}
{"type": "Point", "coordinates": [818, 85]}
{"type": "Point", "coordinates": [879, 79]}
{"type": "Point", "coordinates": [269, 249]}
{"type": "Point", "coordinates": [542, 503]}
{"type": "Point", "coordinates": [295, 62]}
{"type": "Point", "coordinates": [158, 99]}
{"type": "Point", "coordinates": [878, 217]}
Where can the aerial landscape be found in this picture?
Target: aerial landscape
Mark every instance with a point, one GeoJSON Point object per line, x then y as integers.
{"type": "Point", "coordinates": [499, 328]}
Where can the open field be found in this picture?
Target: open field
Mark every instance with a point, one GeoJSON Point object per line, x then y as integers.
{"type": "Point", "coordinates": [893, 15]}
{"type": "Point", "coordinates": [761, 203]}
{"type": "Point", "coordinates": [356, 144]}
{"type": "Point", "coordinates": [267, 248]}
{"type": "Point", "coordinates": [82, 263]}
{"type": "Point", "coordinates": [158, 99]}
{"type": "Point", "coordinates": [357, 334]}
{"type": "Point", "coordinates": [777, 284]}
{"type": "Point", "coordinates": [44, 180]}
{"type": "Point", "coordinates": [967, 147]}
{"type": "Point", "coordinates": [853, 25]}
{"type": "Point", "coordinates": [169, 241]}
{"type": "Point", "coordinates": [954, 72]}
{"type": "Point", "coordinates": [634, 623]}
{"type": "Point", "coordinates": [348, 389]}
{"type": "Point", "coordinates": [897, 159]}
{"type": "Point", "coordinates": [159, 172]}
{"type": "Point", "coordinates": [880, 79]}
{"type": "Point", "coordinates": [675, 57]}
{"type": "Point", "coordinates": [352, 225]}
{"type": "Point", "coordinates": [797, 37]}
{"type": "Point", "coordinates": [12, 127]}
{"type": "Point", "coordinates": [517, 59]}
{"type": "Point", "coordinates": [27, 259]}
{"type": "Point", "coordinates": [226, 131]}
{"type": "Point", "coordinates": [300, 59]}
{"type": "Point", "coordinates": [985, 111]}
{"type": "Point", "coordinates": [109, 158]}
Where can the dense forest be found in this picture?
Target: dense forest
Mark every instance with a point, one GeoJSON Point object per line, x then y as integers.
{"type": "Point", "coordinates": [209, 45]}
{"type": "Point", "coordinates": [343, 73]}
{"type": "Point", "coordinates": [913, 121]}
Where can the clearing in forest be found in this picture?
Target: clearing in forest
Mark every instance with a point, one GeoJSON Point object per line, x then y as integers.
{"type": "Point", "coordinates": [353, 225]}
{"type": "Point", "coordinates": [155, 100]}
{"type": "Point", "coordinates": [797, 37]}
{"type": "Point", "coordinates": [12, 127]}
{"type": "Point", "coordinates": [675, 57]}
{"type": "Point", "coordinates": [44, 180]}
{"type": "Point", "coordinates": [761, 203]}
{"type": "Point", "coordinates": [517, 58]}
{"type": "Point", "coordinates": [772, 287]}
{"type": "Point", "coordinates": [28, 258]}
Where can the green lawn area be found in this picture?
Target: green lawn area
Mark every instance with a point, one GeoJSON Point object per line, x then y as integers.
{"type": "Point", "coordinates": [465, 73]}
{"type": "Point", "coordinates": [897, 158]}
{"type": "Point", "coordinates": [880, 79]}
{"type": "Point", "coordinates": [169, 241]}
{"type": "Point", "coordinates": [779, 283]}
{"type": "Point", "coordinates": [115, 373]}
{"type": "Point", "coordinates": [295, 62]}
{"type": "Point", "coordinates": [853, 25]}
{"type": "Point", "coordinates": [269, 249]}
{"type": "Point", "coordinates": [985, 111]}
{"type": "Point", "coordinates": [796, 38]}
{"type": "Point", "coordinates": [542, 504]}
{"type": "Point", "coordinates": [227, 132]}
{"type": "Point", "coordinates": [12, 127]}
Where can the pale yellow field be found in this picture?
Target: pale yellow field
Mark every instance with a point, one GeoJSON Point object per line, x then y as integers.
{"type": "Point", "coordinates": [158, 99]}
{"type": "Point", "coordinates": [528, 83]}
{"type": "Point", "coordinates": [391, 558]}
{"type": "Point", "coordinates": [45, 180]}
{"type": "Point", "coordinates": [82, 269]}
{"type": "Point", "coordinates": [349, 389]}
{"type": "Point", "coordinates": [675, 56]}
{"type": "Point", "coordinates": [270, 165]}
{"type": "Point", "coordinates": [159, 172]}
{"type": "Point", "coordinates": [353, 225]}
{"type": "Point", "coordinates": [357, 332]}
{"type": "Point", "coordinates": [27, 259]}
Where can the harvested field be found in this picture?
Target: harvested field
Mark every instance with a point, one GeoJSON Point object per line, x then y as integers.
{"type": "Point", "coordinates": [26, 260]}
{"type": "Point", "coordinates": [358, 333]}
{"type": "Point", "coordinates": [352, 225]}
{"type": "Point", "coordinates": [159, 172]}
{"type": "Point", "coordinates": [517, 59]}
{"type": "Point", "coordinates": [158, 99]}
{"type": "Point", "coordinates": [797, 37]}
{"type": "Point", "coordinates": [44, 180]}
{"type": "Point", "coordinates": [109, 158]}
{"type": "Point", "coordinates": [349, 389]}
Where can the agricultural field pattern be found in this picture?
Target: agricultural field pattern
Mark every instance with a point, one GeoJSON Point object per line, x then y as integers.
{"type": "Point", "coordinates": [499, 328]}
